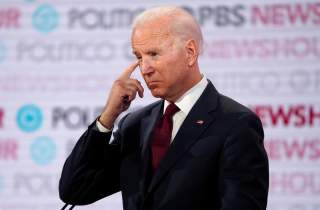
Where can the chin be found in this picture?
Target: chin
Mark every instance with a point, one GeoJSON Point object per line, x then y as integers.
{"type": "Point", "coordinates": [157, 93]}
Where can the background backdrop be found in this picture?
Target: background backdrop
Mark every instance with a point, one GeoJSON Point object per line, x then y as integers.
{"type": "Point", "coordinates": [59, 58]}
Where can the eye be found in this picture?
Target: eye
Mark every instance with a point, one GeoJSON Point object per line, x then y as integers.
{"type": "Point", "coordinates": [153, 54]}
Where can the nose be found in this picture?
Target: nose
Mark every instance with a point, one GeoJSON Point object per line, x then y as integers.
{"type": "Point", "coordinates": [146, 66]}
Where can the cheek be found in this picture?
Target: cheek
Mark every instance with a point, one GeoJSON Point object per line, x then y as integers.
{"type": "Point", "coordinates": [175, 68]}
{"type": "Point", "coordinates": [171, 77]}
{"type": "Point", "coordinates": [168, 68]}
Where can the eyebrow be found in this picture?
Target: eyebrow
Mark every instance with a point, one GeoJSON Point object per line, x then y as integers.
{"type": "Point", "coordinates": [153, 49]}
{"type": "Point", "coordinates": [147, 51]}
{"type": "Point", "coordinates": [135, 53]}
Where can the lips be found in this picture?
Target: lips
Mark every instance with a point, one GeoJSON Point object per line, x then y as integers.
{"type": "Point", "coordinates": [153, 84]}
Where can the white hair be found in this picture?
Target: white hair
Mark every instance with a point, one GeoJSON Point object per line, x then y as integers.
{"type": "Point", "coordinates": [183, 25]}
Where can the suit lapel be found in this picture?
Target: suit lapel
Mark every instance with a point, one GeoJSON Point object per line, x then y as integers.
{"type": "Point", "coordinates": [147, 125]}
{"type": "Point", "coordinates": [189, 132]}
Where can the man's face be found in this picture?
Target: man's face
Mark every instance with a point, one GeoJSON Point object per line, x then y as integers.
{"type": "Point", "coordinates": [163, 62]}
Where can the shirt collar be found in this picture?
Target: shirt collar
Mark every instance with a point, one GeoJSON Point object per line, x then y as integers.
{"type": "Point", "coordinates": [189, 98]}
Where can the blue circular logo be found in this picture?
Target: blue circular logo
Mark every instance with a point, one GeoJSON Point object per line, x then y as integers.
{"type": "Point", "coordinates": [45, 18]}
{"type": "Point", "coordinates": [43, 150]}
{"type": "Point", "coordinates": [29, 118]}
{"type": "Point", "coordinates": [3, 51]}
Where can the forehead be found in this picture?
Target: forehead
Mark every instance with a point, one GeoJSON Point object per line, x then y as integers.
{"type": "Point", "coordinates": [155, 34]}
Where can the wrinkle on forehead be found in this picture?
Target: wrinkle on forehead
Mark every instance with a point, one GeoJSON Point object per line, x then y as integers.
{"type": "Point", "coordinates": [151, 30]}
{"type": "Point", "coordinates": [152, 38]}
{"type": "Point", "coordinates": [146, 39]}
{"type": "Point", "coordinates": [181, 24]}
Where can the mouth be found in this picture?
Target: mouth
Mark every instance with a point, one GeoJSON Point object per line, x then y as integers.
{"type": "Point", "coordinates": [153, 84]}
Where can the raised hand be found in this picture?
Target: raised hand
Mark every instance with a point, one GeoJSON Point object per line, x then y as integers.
{"type": "Point", "coordinates": [123, 92]}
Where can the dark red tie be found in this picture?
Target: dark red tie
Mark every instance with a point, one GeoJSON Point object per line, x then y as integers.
{"type": "Point", "coordinates": [162, 135]}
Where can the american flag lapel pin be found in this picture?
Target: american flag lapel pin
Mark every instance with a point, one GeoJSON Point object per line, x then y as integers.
{"type": "Point", "coordinates": [199, 122]}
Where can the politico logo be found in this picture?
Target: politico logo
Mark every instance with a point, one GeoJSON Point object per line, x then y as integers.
{"type": "Point", "coordinates": [117, 18]}
{"type": "Point", "coordinates": [93, 18]}
{"type": "Point", "coordinates": [10, 18]}
{"type": "Point", "coordinates": [29, 118]}
{"type": "Point", "coordinates": [74, 117]}
{"type": "Point", "coordinates": [45, 18]}
{"type": "Point", "coordinates": [65, 51]}
{"type": "Point", "coordinates": [30, 184]}
{"type": "Point", "coordinates": [43, 150]}
{"type": "Point", "coordinates": [53, 83]}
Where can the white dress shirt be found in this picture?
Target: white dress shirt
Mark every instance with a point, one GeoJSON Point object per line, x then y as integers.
{"type": "Point", "coordinates": [185, 104]}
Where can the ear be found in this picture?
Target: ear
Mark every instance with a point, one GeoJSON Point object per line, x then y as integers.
{"type": "Point", "coordinates": [192, 52]}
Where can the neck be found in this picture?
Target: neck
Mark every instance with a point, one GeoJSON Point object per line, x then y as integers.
{"type": "Point", "coordinates": [193, 80]}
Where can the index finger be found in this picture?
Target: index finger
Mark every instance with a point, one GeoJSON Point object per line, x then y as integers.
{"type": "Point", "coordinates": [127, 73]}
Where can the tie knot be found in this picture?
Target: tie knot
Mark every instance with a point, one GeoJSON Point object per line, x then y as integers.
{"type": "Point", "coordinates": [171, 110]}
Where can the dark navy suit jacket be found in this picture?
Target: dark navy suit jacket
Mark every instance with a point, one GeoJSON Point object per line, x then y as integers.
{"type": "Point", "coordinates": [220, 164]}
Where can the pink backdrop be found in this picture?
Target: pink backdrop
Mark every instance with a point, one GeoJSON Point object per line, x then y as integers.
{"type": "Point", "coordinates": [58, 60]}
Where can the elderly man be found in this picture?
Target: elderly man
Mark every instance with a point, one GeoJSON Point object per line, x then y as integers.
{"type": "Point", "coordinates": [194, 149]}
